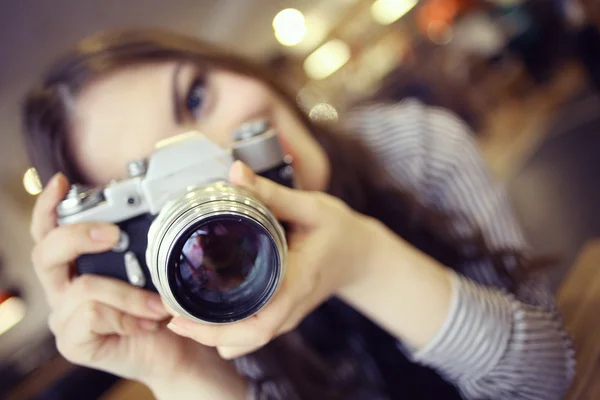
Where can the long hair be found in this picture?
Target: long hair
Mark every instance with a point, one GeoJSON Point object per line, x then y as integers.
{"type": "Point", "coordinates": [357, 177]}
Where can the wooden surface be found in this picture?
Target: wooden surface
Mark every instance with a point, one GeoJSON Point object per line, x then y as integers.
{"type": "Point", "coordinates": [128, 390]}
{"type": "Point", "coordinates": [579, 301]}
{"type": "Point", "coordinates": [38, 381]}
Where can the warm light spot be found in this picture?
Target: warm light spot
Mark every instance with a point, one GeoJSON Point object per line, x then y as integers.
{"type": "Point", "coordinates": [12, 311]}
{"type": "Point", "coordinates": [323, 112]}
{"type": "Point", "coordinates": [32, 182]}
{"type": "Point", "coordinates": [387, 11]}
{"type": "Point", "coordinates": [327, 59]}
{"type": "Point", "coordinates": [289, 27]}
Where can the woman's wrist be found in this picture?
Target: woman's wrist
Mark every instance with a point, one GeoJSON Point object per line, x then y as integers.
{"type": "Point", "coordinates": [207, 379]}
{"type": "Point", "coordinates": [379, 246]}
{"type": "Point", "coordinates": [402, 289]}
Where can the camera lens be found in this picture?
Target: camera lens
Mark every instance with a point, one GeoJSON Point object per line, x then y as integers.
{"type": "Point", "coordinates": [216, 254]}
{"type": "Point", "coordinates": [223, 269]}
{"type": "Point", "coordinates": [217, 257]}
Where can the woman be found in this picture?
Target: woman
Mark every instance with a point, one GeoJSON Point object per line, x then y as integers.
{"type": "Point", "coordinates": [422, 243]}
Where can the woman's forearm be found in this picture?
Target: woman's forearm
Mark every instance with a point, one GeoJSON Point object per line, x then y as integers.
{"type": "Point", "coordinates": [403, 290]}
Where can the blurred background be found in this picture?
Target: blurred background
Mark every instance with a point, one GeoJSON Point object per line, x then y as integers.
{"type": "Point", "coordinates": [525, 75]}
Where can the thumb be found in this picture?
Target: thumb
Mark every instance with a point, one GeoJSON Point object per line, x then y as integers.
{"type": "Point", "coordinates": [289, 205]}
{"type": "Point", "coordinates": [43, 218]}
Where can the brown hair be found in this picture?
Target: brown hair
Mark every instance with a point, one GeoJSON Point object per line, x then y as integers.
{"type": "Point", "coordinates": [357, 177]}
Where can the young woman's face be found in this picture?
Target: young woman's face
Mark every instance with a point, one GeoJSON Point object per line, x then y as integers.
{"type": "Point", "coordinates": [121, 117]}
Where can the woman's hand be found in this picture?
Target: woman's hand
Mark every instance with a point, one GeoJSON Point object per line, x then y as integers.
{"type": "Point", "coordinates": [329, 247]}
{"type": "Point", "coordinates": [110, 325]}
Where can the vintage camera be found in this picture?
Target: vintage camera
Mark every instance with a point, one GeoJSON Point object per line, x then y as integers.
{"type": "Point", "coordinates": [213, 251]}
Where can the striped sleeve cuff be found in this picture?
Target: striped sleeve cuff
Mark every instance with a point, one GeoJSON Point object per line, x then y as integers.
{"type": "Point", "coordinates": [474, 336]}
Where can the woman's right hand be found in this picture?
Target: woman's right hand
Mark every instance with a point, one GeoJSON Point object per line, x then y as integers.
{"type": "Point", "coordinates": [107, 324]}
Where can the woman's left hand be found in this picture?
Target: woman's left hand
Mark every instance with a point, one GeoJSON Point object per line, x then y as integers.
{"type": "Point", "coordinates": [329, 246]}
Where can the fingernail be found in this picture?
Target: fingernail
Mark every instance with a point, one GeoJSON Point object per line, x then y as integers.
{"type": "Point", "coordinates": [227, 353]}
{"type": "Point", "coordinates": [249, 176]}
{"type": "Point", "coordinates": [156, 305]}
{"type": "Point", "coordinates": [178, 329]}
{"type": "Point", "coordinates": [244, 174]}
{"type": "Point", "coordinates": [53, 184]}
{"type": "Point", "coordinates": [149, 325]}
{"type": "Point", "coordinates": [105, 233]}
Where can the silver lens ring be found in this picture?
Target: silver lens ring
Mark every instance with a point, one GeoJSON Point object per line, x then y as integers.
{"type": "Point", "coordinates": [198, 204]}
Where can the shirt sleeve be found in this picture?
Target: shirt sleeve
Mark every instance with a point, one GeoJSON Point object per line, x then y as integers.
{"type": "Point", "coordinates": [494, 344]}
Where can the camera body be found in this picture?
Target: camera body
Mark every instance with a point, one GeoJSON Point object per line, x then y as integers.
{"type": "Point", "coordinates": [181, 187]}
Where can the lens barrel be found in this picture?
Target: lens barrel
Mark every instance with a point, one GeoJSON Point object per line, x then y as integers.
{"type": "Point", "coordinates": [216, 254]}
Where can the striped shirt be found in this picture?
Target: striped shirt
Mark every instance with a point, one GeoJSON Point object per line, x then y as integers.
{"type": "Point", "coordinates": [493, 344]}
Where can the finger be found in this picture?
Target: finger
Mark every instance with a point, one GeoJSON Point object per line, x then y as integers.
{"type": "Point", "coordinates": [43, 219]}
{"type": "Point", "coordinates": [114, 293]}
{"type": "Point", "coordinates": [96, 318]}
{"type": "Point", "coordinates": [293, 320]}
{"type": "Point", "coordinates": [92, 323]}
{"type": "Point", "coordinates": [170, 310]}
{"type": "Point", "coordinates": [105, 320]}
{"type": "Point", "coordinates": [257, 330]}
{"type": "Point", "coordinates": [296, 295]}
{"type": "Point", "coordinates": [231, 352]}
{"type": "Point", "coordinates": [53, 255]}
{"type": "Point", "coordinates": [289, 205]}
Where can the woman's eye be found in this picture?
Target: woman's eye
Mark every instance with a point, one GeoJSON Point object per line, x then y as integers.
{"type": "Point", "coordinates": [196, 97]}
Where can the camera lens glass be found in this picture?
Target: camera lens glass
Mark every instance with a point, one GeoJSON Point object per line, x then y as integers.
{"type": "Point", "coordinates": [224, 268]}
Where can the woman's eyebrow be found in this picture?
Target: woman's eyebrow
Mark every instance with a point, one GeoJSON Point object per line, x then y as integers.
{"type": "Point", "coordinates": [177, 111]}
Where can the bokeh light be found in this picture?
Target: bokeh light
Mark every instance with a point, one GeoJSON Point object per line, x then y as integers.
{"type": "Point", "coordinates": [12, 311]}
{"type": "Point", "coordinates": [289, 27]}
{"type": "Point", "coordinates": [323, 112]}
{"type": "Point", "coordinates": [32, 182]}
{"type": "Point", "coordinates": [387, 11]}
{"type": "Point", "coordinates": [327, 59]}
